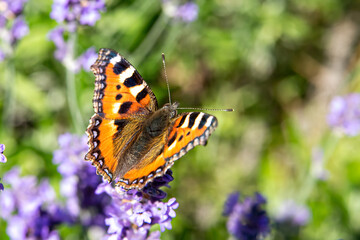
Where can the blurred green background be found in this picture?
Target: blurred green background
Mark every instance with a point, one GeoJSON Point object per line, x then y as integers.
{"type": "Point", "coordinates": [278, 63]}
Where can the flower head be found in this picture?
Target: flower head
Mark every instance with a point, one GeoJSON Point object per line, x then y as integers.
{"type": "Point", "coordinates": [344, 114]}
{"type": "Point", "coordinates": [2, 160]}
{"type": "Point", "coordinates": [2, 156]}
{"type": "Point", "coordinates": [70, 14]}
{"type": "Point", "coordinates": [82, 12]}
{"type": "Point", "coordinates": [133, 212]}
{"type": "Point", "coordinates": [12, 25]}
{"type": "Point", "coordinates": [187, 12]}
{"type": "Point", "coordinates": [247, 219]}
{"type": "Point", "coordinates": [30, 208]}
{"type": "Point", "coordinates": [87, 58]}
{"type": "Point", "coordinates": [19, 29]}
{"type": "Point", "coordinates": [295, 214]}
{"type": "Point", "coordinates": [80, 181]}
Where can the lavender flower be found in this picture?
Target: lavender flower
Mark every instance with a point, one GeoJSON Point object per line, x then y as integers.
{"type": "Point", "coordinates": [87, 58]}
{"type": "Point", "coordinates": [77, 11]}
{"type": "Point", "coordinates": [30, 208]}
{"type": "Point", "coordinates": [2, 160]}
{"type": "Point", "coordinates": [289, 219]}
{"type": "Point", "coordinates": [80, 182]}
{"type": "Point", "coordinates": [12, 26]}
{"type": "Point", "coordinates": [344, 114]}
{"type": "Point", "coordinates": [132, 213]}
{"type": "Point", "coordinates": [71, 14]}
{"type": "Point", "coordinates": [188, 12]}
{"type": "Point", "coordinates": [247, 220]}
{"type": "Point", "coordinates": [297, 215]}
{"type": "Point", "coordinates": [19, 29]}
{"type": "Point", "coordinates": [2, 156]}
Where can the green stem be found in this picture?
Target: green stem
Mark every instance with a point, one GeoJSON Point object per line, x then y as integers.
{"type": "Point", "coordinates": [310, 181]}
{"type": "Point", "coordinates": [71, 86]}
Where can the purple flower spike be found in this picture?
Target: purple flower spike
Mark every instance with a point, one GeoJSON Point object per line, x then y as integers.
{"type": "Point", "coordinates": [12, 26]}
{"type": "Point", "coordinates": [230, 203]}
{"type": "Point", "coordinates": [187, 12]}
{"type": "Point", "coordinates": [133, 212]}
{"type": "Point", "coordinates": [70, 14]}
{"type": "Point", "coordinates": [57, 36]}
{"type": "Point", "coordinates": [152, 188]}
{"type": "Point", "coordinates": [19, 29]}
{"type": "Point", "coordinates": [87, 58]}
{"type": "Point", "coordinates": [80, 182]}
{"type": "Point", "coordinates": [247, 220]}
{"type": "Point", "coordinates": [30, 208]}
{"type": "Point", "coordinates": [2, 157]}
{"type": "Point", "coordinates": [2, 160]}
{"type": "Point", "coordinates": [295, 214]}
{"type": "Point", "coordinates": [344, 114]}
{"type": "Point", "coordinates": [83, 12]}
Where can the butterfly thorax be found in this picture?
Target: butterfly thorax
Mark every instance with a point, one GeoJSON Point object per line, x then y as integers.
{"type": "Point", "coordinates": [160, 120]}
{"type": "Point", "coordinates": [148, 142]}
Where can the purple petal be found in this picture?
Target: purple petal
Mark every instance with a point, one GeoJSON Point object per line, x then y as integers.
{"type": "Point", "coordinates": [89, 17]}
{"type": "Point", "coordinates": [188, 12]}
{"type": "Point", "coordinates": [2, 55]}
{"type": "Point", "coordinates": [88, 58]}
{"type": "Point", "coordinates": [19, 29]}
{"type": "Point", "coordinates": [59, 12]}
{"type": "Point", "coordinates": [230, 203]}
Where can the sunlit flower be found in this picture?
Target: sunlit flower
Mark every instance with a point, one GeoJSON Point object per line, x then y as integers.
{"type": "Point", "coordinates": [70, 14]}
{"type": "Point", "coordinates": [344, 114]}
{"type": "Point", "coordinates": [293, 213]}
{"type": "Point", "coordinates": [12, 26]}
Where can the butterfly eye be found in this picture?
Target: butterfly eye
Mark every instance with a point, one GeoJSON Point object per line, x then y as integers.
{"type": "Point", "coordinates": [172, 114]}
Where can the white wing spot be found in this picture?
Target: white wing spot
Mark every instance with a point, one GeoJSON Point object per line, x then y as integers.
{"type": "Point", "coordinates": [116, 107]}
{"type": "Point", "coordinates": [186, 122]}
{"type": "Point", "coordinates": [209, 120]}
{"type": "Point", "coordinates": [126, 74]}
{"type": "Point", "coordinates": [136, 89]}
{"type": "Point", "coordinates": [197, 121]}
{"type": "Point", "coordinates": [115, 60]}
{"type": "Point", "coordinates": [172, 145]}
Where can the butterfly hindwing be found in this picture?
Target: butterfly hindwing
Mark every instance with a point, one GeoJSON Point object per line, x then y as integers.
{"type": "Point", "coordinates": [120, 91]}
{"type": "Point", "coordinates": [187, 131]}
{"type": "Point", "coordinates": [108, 141]}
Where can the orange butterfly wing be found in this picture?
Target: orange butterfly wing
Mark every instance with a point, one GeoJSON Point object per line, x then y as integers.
{"type": "Point", "coordinates": [120, 91]}
{"type": "Point", "coordinates": [188, 130]}
{"type": "Point", "coordinates": [120, 94]}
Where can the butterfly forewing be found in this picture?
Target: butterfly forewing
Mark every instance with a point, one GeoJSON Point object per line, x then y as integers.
{"type": "Point", "coordinates": [120, 91]}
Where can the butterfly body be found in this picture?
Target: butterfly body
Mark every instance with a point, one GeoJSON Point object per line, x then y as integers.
{"type": "Point", "coordinates": [131, 141]}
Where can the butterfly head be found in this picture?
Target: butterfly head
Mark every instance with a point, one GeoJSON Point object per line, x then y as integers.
{"type": "Point", "coordinates": [171, 109]}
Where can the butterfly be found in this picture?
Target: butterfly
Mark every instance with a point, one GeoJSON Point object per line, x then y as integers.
{"type": "Point", "coordinates": [131, 141]}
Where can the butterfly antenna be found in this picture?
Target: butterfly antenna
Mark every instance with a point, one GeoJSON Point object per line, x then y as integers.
{"type": "Point", "coordinates": [166, 78]}
{"type": "Point", "coordinates": [208, 109]}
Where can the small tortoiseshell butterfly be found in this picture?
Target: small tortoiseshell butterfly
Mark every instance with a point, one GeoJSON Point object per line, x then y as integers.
{"type": "Point", "coordinates": [131, 141]}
